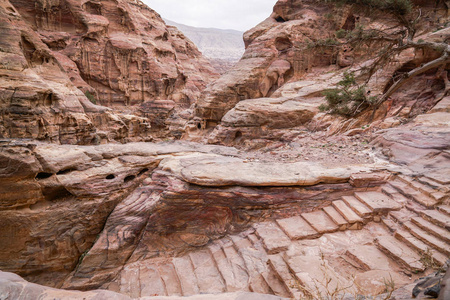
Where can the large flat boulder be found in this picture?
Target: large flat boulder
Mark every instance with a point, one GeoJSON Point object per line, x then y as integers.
{"type": "Point", "coordinates": [243, 173]}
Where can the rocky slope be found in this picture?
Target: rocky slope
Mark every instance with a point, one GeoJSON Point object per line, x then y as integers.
{"type": "Point", "coordinates": [57, 54]}
{"type": "Point", "coordinates": [293, 204]}
{"type": "Point", "coordinates": [275, 90]}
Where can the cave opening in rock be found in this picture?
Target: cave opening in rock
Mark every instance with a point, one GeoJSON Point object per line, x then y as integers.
{"type": "Point", "coordinates": [110, 176]}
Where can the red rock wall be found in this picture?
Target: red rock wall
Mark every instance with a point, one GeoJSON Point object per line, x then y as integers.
{"type": "Point", "coordinates": [124, 52]}
{"type": "Point", "coordinates": [53, 52]}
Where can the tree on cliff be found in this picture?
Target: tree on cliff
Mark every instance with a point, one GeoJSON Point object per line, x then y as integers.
{"type": "Point", "coordinates": [351, 99]}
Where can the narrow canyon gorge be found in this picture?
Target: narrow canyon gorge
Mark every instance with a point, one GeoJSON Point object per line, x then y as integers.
{"type": "Point", "coordinates": [315, 167]}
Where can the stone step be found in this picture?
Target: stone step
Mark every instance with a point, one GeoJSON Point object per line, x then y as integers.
{"type": "Point", "coordinates": [317, 278]}
{"type": "Point", "coordinates": [414, 194]}
{"type": "Point", "coordinates": [418, 186]}
{"type": "Point", "coordinates": [275, 283]}
{"type": "Point", "coordinates": [129, 282]}
{"type": "Point", "coordinates": [437, 186]}
{"type": "Point", "coordinates": [388, 189]}
{"type": "Point", "coordinates": [419, 246]}
{"type": "Point", "coordinates": [444, 180]}
{"type": "Point", "coordinates": [347, 213]}
{"type": "Point", "coordinates": [394, 194]}
{"type": "Point", "coordinates": [415, 207]}
{"type": "Point", "coordinates": [170, 279]}
{"type": "Point", "coordinates": [320, 221]}
{"type": "Point", "coordinates": [427, 238]}
{"type": "Point", "coordinates": [151, 283]}
{"type": "Point", "coordinates": [297, 228]}
{"type": "Point", "coordinates": [268, 273]}
{"type": "Point", "coordinates": [336, 217]}
{"type": "Point", "coordinates": [403, 215]}
{"type": "Point", "coordinates": [369, 179]}
{"type": "Point", "coordinates": [209, 279]}
{"type": "Point", "coordinates": [282, 270]}
{"type": "Point", "coordinates": [400, 253]}
{"type": "Point", "coordinates": [390, 224]}
{"type": "Point", "coordinates": [423, 188]}
{"type": "Point", "coordinates": [369, 257]}
{"type": "Point", "coordinates": [357, 206]}
{"type": "Point", "coordinates": [185, 271]}
{"type": "Point", "coordinates": [235, 278]}
{"type": "Point", "coordinates": [437, 231]}
{"type": "Point", "coordinates": [378, 202]}
{"type": "Point", "coordinates": [445, 209]}
{"type": "Point", "coordinates": [437, 218]}
{"type": "Point", "coordinates": [255, 263]}
{"type": "Point", "coordinates": [237, 263]}
{"type": "Point", "coordinates": [274, 239]}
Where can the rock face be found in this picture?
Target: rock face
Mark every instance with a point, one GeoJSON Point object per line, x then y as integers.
{"type": "Point", "coordinates": [56, 55]}
{"type": "Point", "coordinates": [14, 287]}
{"type": "Point", "coordinates": [276, 52]}
{"type": "Point", "coordinates": [292, 57]}
{"type": "Point", "coordinates": [122, 50]}
{"type": "Point", "coordinates": [319, 209]}
{"type": "Point", "coordinates": [147, 200]}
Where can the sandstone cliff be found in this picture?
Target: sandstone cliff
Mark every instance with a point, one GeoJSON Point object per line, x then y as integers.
{"type": "Point", "coordinates": [316, 206]}
{"type": "Point", "coordinates": [57, 54]}
{"type": "Point", "coordinates": [275, 90]}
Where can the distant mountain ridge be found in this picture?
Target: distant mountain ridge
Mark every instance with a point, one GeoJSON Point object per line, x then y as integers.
{"type": "Point", "coordinates": [214, 43]}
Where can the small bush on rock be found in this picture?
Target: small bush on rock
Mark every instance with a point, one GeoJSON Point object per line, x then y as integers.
{"type": "Point", "coordinates": [349, 99]}
{"type": "Point", "coordinates": [397, 7]}
{"type": "Point", "coordinates": [90, 97]}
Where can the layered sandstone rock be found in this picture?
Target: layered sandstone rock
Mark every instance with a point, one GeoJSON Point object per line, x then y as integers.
{"type": "Point", "coordinates": [181, 218]}
{"type": "Point", "coordinates": [89, 210]}
{"type": "Point", "coordinates": [294, 56]}
{"type": "Point", "coordinates": [15, 287]}
{"type": "Point", "coordinates": [56, 55]}
{"type": "Point", "coordinates": [123, 51]}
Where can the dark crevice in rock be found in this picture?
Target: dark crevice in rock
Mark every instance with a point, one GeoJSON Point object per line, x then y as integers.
{"type": "Point", "coordinates": [65, 171]}
{"type": "Point", "coordinates": [110, 176]}
{"type": "Point", "coordinates": [43, 175]}
{"type": "Point", "coordinates": [143, 171]}
{"type": "Point", "coordinates": [129, 178]}
{"type": "Point", "coordinates": [280, 19]}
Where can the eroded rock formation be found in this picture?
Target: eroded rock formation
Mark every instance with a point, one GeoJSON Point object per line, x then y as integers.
{"type": "Point", "coordinates": [295, 55]}
{"type": "Point", "coordinates": [136, 207]}
{"type": "Point", "coordinates": [325, 204]}
{"type": "Point", "coordinates": [57, 54]}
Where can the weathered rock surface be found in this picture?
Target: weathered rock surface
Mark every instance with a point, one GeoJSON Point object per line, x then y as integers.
{"type": "Point", "coordinates": [146, 201]}
{"type": "Point", "coordinates": [54, 55]}
{"type": "Point", "coordinates": [303, 216]}
{"type": "Point", "coordinates": [288, 60]}
{"type": "Point", "coordinates": [13, 287]}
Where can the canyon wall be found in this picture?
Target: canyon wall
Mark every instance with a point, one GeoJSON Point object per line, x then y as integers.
{"type": "Point", "coordinates": [60, 60]}
{"type": "Point", "coordinates": [291, 58]}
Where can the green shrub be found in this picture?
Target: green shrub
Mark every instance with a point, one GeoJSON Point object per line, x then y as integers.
{"type": "Point", "coordinates": [398, 7]}
{"type": "Point", "coordinates": [349, 99]}
{"type": "Point", "coordinates": [90, 97]}
{"type": "Point", "coordinates": [341, 33]}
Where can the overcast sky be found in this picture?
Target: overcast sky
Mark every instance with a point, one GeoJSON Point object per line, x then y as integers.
{"type": "Point", "coordinates": [226, 14]}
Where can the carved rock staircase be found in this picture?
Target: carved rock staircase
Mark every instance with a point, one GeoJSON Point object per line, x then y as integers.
{"type": "Point", "coordinates": [407, 220]}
